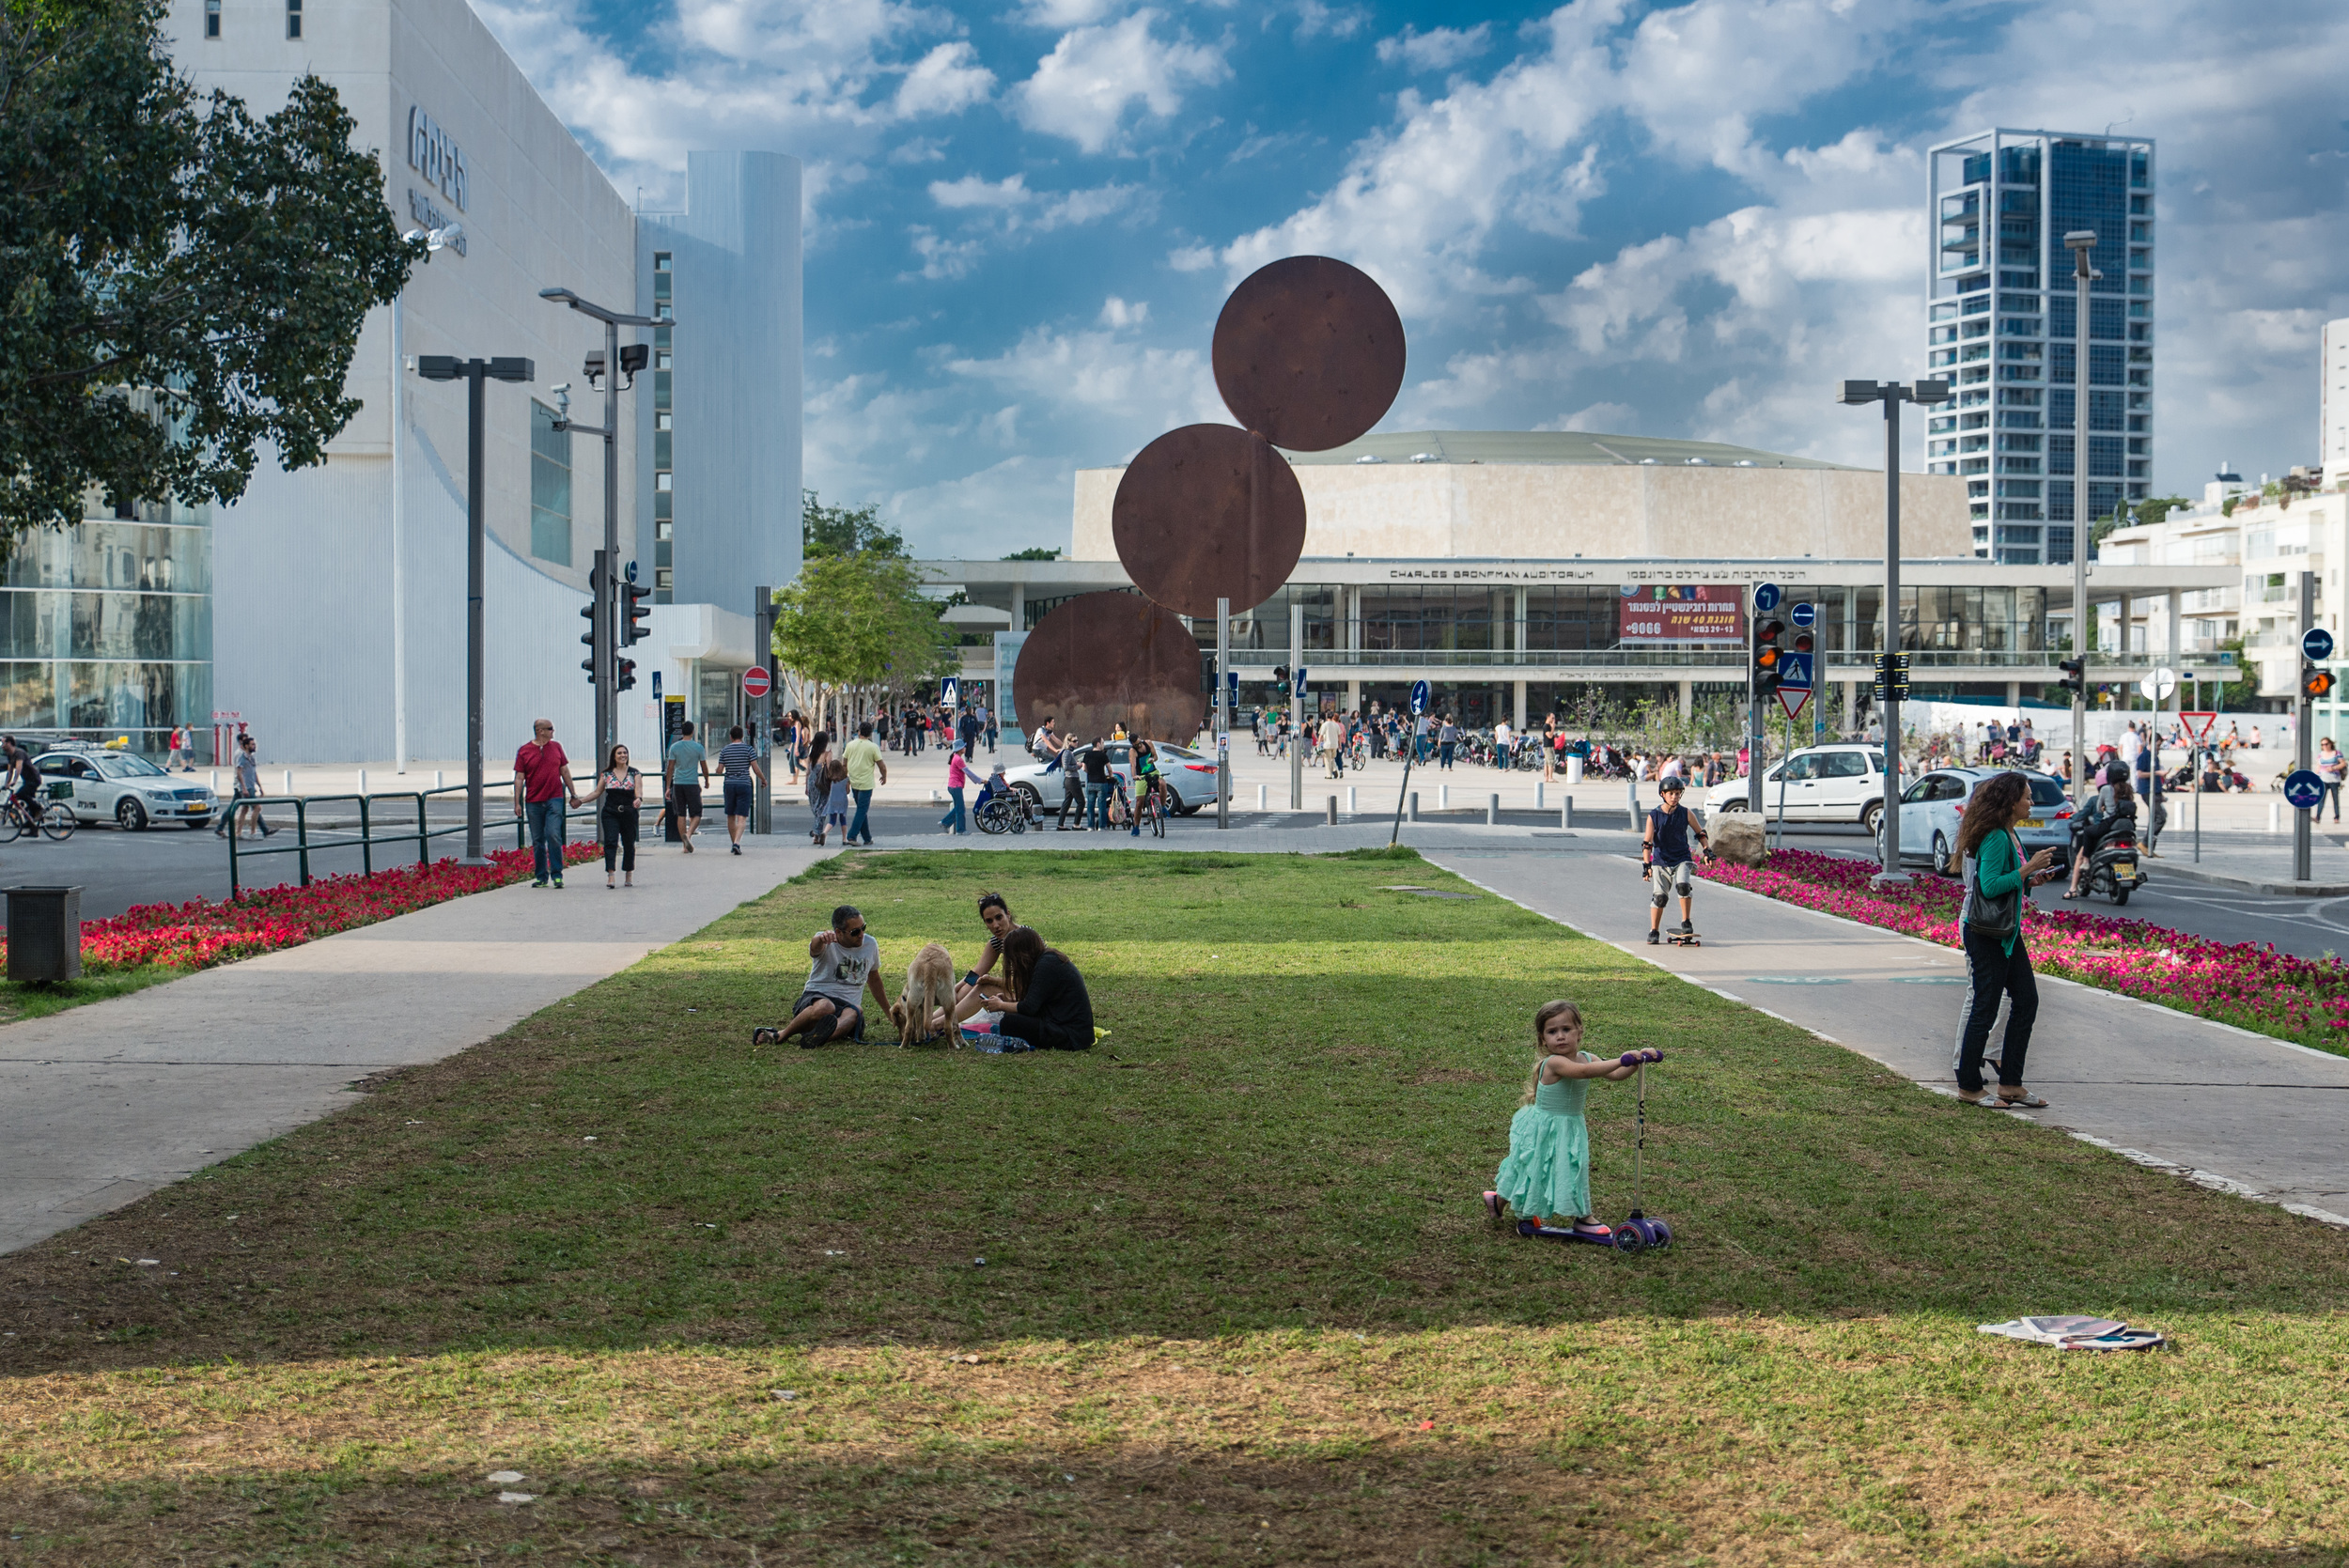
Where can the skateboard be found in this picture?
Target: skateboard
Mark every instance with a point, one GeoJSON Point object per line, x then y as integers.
{"type": "Point", "coordinates": [1684, 939]}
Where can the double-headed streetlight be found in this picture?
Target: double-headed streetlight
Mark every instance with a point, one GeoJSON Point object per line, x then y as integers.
{"type": "Point", "coordinates": [2080, 241]}
{"type": "Point", "coordinates": [606, 365]}
{"type": "Point", "coordinates": [1893, 394]}
{"type": "Point", "coordinates": [474, 373]}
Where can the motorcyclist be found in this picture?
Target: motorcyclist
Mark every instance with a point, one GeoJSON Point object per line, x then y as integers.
{"type": "Point", "coordinates": [2114, 802]}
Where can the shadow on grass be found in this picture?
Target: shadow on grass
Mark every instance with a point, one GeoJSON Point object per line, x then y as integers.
{"type": "Point", "coordinates": [1271, 1138]}
{"type": "Point", "coordinates": [38, 1001]}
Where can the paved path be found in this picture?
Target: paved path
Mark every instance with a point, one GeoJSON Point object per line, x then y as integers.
{"type": "Point", "coordinates": [103, 1104]}
{"type": "Point", "coordinates": [2230, 1109]}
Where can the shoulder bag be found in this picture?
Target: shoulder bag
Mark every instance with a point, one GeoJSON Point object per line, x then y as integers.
{"type": "Point", "coordinates": [2000, 917]}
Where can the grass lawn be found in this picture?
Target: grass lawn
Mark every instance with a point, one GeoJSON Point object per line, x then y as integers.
{"type": "Point", "coordinates": [39, 1001]}
{"type": "Point", "coordinates": [1239, 1302]}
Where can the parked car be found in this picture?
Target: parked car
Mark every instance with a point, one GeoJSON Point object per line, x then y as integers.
{"type": "Point", "coordinates": [1191, 774]}
{"type": "Point", "coordinates": [1931, 807]}
{"type": "Point", "coordinates": [132, 791]}
{"type": "Point", "coordinates": [1823, 784]}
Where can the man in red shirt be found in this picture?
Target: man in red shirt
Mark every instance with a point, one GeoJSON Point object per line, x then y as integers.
{"type": "Point", "coordinates": [544, 793]}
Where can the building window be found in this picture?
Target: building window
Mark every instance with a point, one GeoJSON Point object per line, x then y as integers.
{"type": "Point", "coordinates": [550, 488]}
{"type": "Point", "coordinates": [211, 19]}
{"type": "Point", "coordinates": [294, 19]}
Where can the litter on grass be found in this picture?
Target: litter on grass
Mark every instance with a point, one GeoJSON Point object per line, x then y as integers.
{"type": "Point", "coordinates": [502, 1477]}
{"type": "Point", "coordinates": [518, 1496]}
{"type": "Point", "coordinates": [2076, 1333]}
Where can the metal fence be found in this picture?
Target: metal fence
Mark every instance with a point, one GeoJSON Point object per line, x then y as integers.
{"type": "Point", "coordinates": [315, 838]}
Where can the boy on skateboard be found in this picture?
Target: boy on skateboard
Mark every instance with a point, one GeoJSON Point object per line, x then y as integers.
{"type": "Point", "coordinates": [1665, 861]}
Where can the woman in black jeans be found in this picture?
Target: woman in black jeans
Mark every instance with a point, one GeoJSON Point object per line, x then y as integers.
{"type": "Point", "coordinates": [1053, 1011]}
{"type": "Point", "coordinates": [1998, 886]}
{"type": "Point", "coordinates": [617, 788]}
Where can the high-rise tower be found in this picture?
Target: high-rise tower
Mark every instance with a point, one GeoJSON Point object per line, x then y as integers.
{"type": "Point", "coordinates": [2002, 323]}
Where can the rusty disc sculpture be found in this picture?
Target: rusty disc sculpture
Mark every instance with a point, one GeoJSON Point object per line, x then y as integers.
{"type": "Point", "coordinates": [1209, 512]}
{"type": "Point", "coordinates": [1308, 353]}
{"type": "Point", "coordinates": [1108, 658]}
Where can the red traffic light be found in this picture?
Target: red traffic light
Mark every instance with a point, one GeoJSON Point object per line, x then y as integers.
{"type": "Point", "coordinates": [1769, 631]}
{"type": "Point", "coordinates": [1802, 642]}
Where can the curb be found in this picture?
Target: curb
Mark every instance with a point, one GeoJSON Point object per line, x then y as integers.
{"type": "Point", "coordinates": [2246, 884]}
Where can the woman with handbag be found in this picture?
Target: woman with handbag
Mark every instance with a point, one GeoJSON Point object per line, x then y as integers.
{"type": "Point", "coordinates": [1998, 882]}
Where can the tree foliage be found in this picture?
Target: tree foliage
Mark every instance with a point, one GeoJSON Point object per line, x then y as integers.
{"type": "Point", "coordinates": [856, 621]}
{"type": "Point", "coordinates": [178, 281]}
{"type": "Point", "coordinates": [1033, 553]}
{"type": "Point", "coordinates": [843, 530]}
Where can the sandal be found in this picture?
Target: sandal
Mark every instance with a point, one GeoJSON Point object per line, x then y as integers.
{"type": "Point", "coordinates": [1985, 1099]}
{"type": "Point", "coordinates": [2022, 1100]}
{"type": "Point", "coordinates": [764, 1036]}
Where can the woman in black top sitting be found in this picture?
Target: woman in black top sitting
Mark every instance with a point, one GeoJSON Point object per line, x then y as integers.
{"type": "Point", "coordinates": [1053, 1011]}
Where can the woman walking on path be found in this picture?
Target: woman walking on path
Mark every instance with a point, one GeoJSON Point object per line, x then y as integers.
{"type": "Point", "coordinates": [818, 789]}
{"type": "Point", "coordinates": [1997, 885]}
{"type": "Point", "coordinates": [617, 788]}
{"type": "Point", "coordinates": [957, 819]}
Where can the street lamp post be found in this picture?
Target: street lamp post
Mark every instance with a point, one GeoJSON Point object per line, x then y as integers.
{"type": "Point", "coordinates": [1893, 394]}
{"type": "Point", "coordinates": [434, 241]}
{"type": "Point", "coordinates": [2080, 241]}
{"type": "Point", "coordinates": [474, 373]}
{"type": "Point", "coordinates": [607, 364]}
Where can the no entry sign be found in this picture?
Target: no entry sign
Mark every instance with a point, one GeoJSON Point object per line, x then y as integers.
{"type": "Point", "coordinates": [757, 682]}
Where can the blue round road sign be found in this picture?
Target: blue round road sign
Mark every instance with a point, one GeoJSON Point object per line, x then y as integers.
{"type": "Point", "coordinates": [2304, 789]}
{"type": "Point", "coordinates": [2317, 644]}
{"type": "Point", "coordinates": [1419, 696]}
{"type": "Point", "coordinates": [1766, 596]}
{"type": "Point", "coordinates": [1805, 615]}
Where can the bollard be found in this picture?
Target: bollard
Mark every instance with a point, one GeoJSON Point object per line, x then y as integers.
{"type": "Point", "coordinates": [2274, 817]}
{"type": "Point", "coordinates": [1538, 801]}
{"type": "Point", "coordinates": [216, 781]}
{"type": "Point", "coordinates": [1260, 796]}
{"type": "Point", "coordinates": [1444, 797]}
{"type": "Point", "coordinates": [1631, 795]}
{"type": "Point", "coordinates": [1492, 810]}
{"type": "Point", "coordinates": [44, 934]}
{"type": "Point", "coordinates": [1352, 807]}
{"type": "Point", "coordinates": [436, 778]}
{"type": "Point", "coordinates": [289, 781]}
{"type": "Point", "coordinates": [362, 781]}
{"type": "Point", "coordinates": [1332, 815]}
{"type": "Point", "coordinates": [1565, 811]}
{"type": "Point", "coordinates": [1415, 808]}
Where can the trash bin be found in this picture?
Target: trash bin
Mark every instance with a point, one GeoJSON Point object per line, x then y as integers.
{"type": "Point", "coordinates": [44, 934]}
{"type": "Point", "coordinates": [1574, 769]}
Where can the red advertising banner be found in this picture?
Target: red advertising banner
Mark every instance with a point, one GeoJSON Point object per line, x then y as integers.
{"type": "Point", "coordinates": [1684, 613]}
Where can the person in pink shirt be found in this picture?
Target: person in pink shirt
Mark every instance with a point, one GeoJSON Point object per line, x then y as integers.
{"type": "Point", "coordinates": [957, 822]}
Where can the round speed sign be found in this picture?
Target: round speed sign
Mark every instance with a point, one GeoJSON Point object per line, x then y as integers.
{"type": "Point", "coordinates": [757, 683]}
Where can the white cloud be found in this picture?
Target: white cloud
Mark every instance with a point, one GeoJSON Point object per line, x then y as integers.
{"type": "Point", "coordinates": [1436, 49]}
{"type": "Point", "coordinates": [1082, 89]}
{"type": "Point", "coordinates": [1133, 388]}
{"type": "Point", "coordinates": [947, 80]}
{"type": "Point", "coordinates": [945, 259]}
{"type": "Point", "coordinates": [1313, 19]}
{"type": "Point", "coordinates": [1118, 312]}
{"type": "Point", "coordinates": [1191, 259]}
{"type": "Point", "coordinates": [971, 191]}
{"type": "Point", "coordinates": [1605, 418]}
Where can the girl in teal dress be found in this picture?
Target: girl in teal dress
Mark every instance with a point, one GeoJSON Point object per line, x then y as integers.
{"type": "Point", "coordinates": [1548, 1173]}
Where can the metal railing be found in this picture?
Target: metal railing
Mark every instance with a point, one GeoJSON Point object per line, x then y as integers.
{"type": "Point", "coordinates": [318, 838]}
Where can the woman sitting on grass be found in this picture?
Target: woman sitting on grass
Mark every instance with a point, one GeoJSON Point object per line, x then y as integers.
{"type": "Point", "coordinates": [1050, 1009]}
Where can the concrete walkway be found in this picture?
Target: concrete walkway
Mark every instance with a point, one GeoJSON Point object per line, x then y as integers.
{"type": "Point", "coordinates": [2227, 1107]}
{"type": "Point", "coordinates": [103, 1104]}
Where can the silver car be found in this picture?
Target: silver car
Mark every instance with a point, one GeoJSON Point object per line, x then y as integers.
{"type": "Point", "coordinates": [1190, 774]}
{"type": "Point", "coordinates": [132, 791]}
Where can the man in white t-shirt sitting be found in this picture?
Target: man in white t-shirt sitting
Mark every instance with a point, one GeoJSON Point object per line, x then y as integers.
{"type": "Point", "coordinates": [842, 961]}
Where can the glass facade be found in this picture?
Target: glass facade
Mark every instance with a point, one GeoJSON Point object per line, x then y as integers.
{"type": "Point", "coordinates": [663, 430]}
{"type": "Point", "coordinates": [550, 488]}
{"type": "Point", "coordinates": [106, 627]}
{"type": "Point", "coordinates": [2003, 202]}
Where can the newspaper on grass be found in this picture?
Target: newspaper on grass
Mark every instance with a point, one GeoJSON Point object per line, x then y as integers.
{"type": "Point", "coordinates": [2076, 1333]}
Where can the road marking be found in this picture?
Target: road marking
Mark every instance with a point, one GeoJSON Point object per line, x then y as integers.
{"type": "Point", "coordinates": [1796, 980]}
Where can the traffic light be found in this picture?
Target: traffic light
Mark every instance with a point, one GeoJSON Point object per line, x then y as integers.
{"type": "Point", "coordinates": [635, 616]}
{"type": "Point", "coordinates": [2316, 683]}
{"type": "Point", "coordinates": [2075, 675]}
{"type": "Point", "coordinates": [627, 674]}
{"type": "Point", "coordinates": [587, 614]}
{"type": "Point", "coordinates": [1280, 675]}
{"type": "Point", "coordinates": [1765, 655]}
{"type": "Point", "coordinates": [1893, 673]}
{"type": "Point", "coordinates": [592, 611]}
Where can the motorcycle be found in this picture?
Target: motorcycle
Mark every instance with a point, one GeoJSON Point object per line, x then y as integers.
{"type": "Point", "coordinates": [2112, 870]}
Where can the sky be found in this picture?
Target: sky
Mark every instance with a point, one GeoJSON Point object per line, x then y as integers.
{"type": "Point", "coordinates": [1688, 221]}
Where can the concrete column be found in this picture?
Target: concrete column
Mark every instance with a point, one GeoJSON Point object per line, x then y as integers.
{"type": "Point", "coordinates": [1353, 696]}
{"type": "Point", "coordinates": [1521, 685]}
{"type": "Point", "coordinates": [2177, 630]}
{"type": "Point", "coordinates": [1851, 705]}
{"type": "Point", "coordinates": [1019, 607]}
{"type": "Point", "coordinates": [2013, 693]}
{"type": "Point", "coordinates": [1688, 700]}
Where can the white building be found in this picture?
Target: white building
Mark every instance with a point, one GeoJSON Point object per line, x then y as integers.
{"type": "Point", "coordinates": [2332, 398]}
{"type": "Point", "coordinates": [335, 629]}
{"type": "Point", "coordinates": [2000, 323]}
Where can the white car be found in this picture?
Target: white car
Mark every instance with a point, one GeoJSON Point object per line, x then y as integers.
{"type": "Point", "coordinates": [1821, 783]}
{"type": "Point", "coordinates": [1190, 774]}
{"type": "Point", "coordinates": [132, 791]}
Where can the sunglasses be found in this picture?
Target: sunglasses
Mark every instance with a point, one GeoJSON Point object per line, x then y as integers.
{"type": "Point", "coordinates": [856, 935]}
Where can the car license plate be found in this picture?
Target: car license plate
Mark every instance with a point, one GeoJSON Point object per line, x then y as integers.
{"type": "Point", "coordinates": [2034, 822]}
{"type": "Point", "coordinates": [2124, 868]}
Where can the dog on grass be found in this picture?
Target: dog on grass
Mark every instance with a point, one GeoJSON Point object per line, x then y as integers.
{"type": "Point", "coordinates": [929, 989]}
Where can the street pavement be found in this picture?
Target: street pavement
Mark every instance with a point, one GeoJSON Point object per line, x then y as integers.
{"type": "Point", "coordinates": [102, 1104]}
{"type": "Point", "coordinates": [2228, 1108]}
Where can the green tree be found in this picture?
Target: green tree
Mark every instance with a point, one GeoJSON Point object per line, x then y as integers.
{"type": "Point", "coordinates": [845, 530]}
{"type": "Point", "coordinates": [1033, 553]}
{"type": "Point", "coordinates": [179, 282]}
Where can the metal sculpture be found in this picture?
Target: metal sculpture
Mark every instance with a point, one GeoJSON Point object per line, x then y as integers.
{"type": "Point", "coordinates": [1101, 660]}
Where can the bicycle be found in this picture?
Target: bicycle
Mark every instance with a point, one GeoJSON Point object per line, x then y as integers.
{"type": "Point", "coordinates": [56, 819]}
{"type": "Point", "coordinates": [1152, 806]}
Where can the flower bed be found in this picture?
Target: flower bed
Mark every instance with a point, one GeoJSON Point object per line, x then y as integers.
{"type": "Point", "coordinates": [2249, 985]}
{"type": "Point", "coordinates": [202, 933]}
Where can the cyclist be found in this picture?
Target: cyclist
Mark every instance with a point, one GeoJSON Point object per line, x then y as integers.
{"type": "Point", "coordinates": [23, 784]}
{"type": "Point", "coordinates": [1147, 780]}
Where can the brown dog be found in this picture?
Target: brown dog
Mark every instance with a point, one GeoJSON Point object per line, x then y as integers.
{"type": "Point", "coordinates": [930, 988]}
